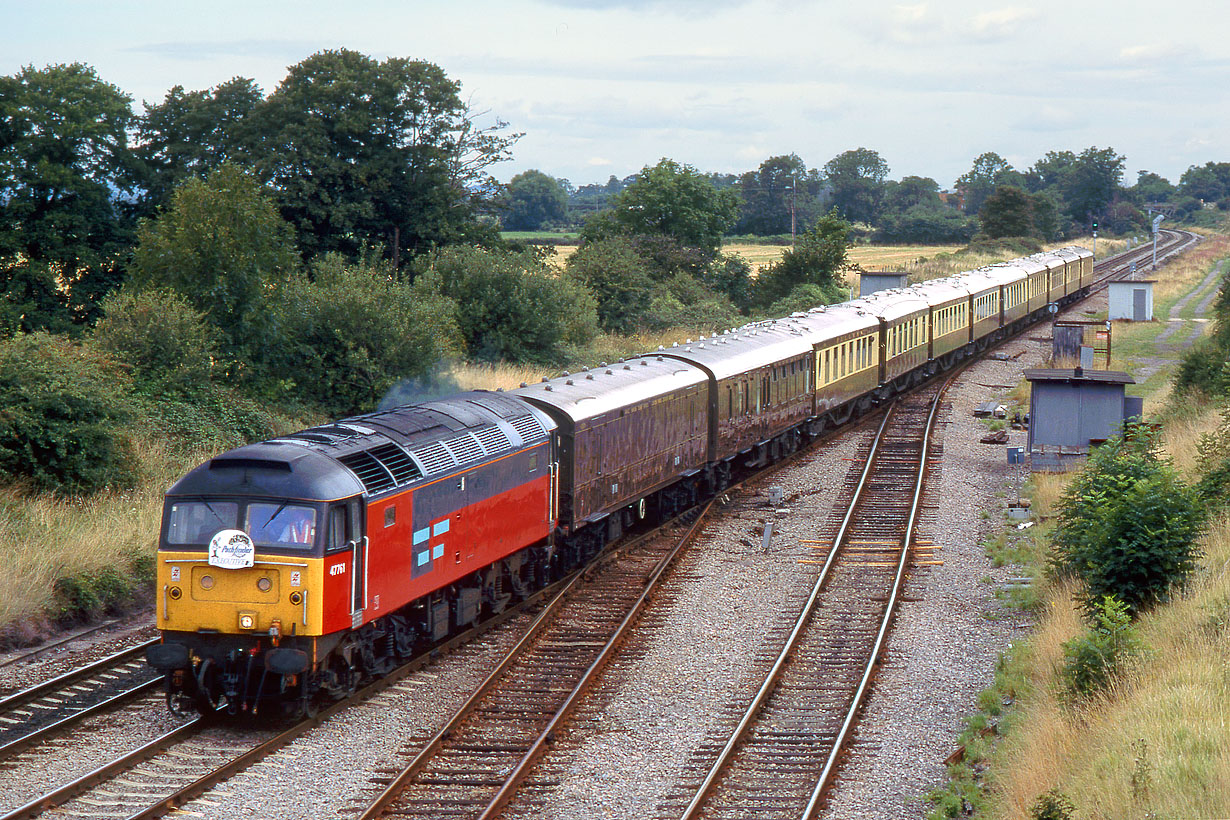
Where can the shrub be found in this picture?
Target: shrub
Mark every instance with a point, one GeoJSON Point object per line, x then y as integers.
{"type": "Point", "coordinates": [168, 343]}
{"type": "Point", "coordinates": [1128, 526]}
{"type": "Point", "coordinates": [1091, 660]}
{"type": "Point", "coordinates": [818, 258]}
{"type": "Point", "coordinates": [510, 306]}
{"type": "Point", "coordinates": [1054, 805]}
{"type": "Point", "coordinates": [351, 332]}
{"type": "Point", "coordinates": [62, 407]}
{"type": "Point", "coordinates": [619, 279]}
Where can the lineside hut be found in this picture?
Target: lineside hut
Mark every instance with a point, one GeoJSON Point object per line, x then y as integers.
{"type": "Point", "coordinates": [1072, 409]}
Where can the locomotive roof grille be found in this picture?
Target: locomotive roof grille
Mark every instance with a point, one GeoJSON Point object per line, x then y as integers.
{"type": "Point", "coordinates": [528, 427]}
{"type": "Point", "coordinates": [435, 458]}
{"type": "Point", "coordinates": [493, 439]}
{"type": "Point", "coordinates": [374, 475]}
{"type": "Point", "coordinates": [464, 448]}
{"type": "Point", "coordinates": [397, 462]}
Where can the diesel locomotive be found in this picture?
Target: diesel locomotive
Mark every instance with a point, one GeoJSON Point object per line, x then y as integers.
{"type": "Point", "coordinates": [290, 571]}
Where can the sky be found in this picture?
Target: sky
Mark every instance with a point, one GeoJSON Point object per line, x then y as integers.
{"type": "Point", "coordinates": [605, 87]}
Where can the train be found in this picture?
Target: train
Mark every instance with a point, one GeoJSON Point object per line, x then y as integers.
{"type": "Point", "coordinates": [292, 570]}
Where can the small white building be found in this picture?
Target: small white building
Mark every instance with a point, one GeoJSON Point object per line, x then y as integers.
{"type": "Point", "coordinates": [1132, 300]}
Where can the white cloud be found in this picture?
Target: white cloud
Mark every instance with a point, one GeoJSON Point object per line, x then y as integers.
{"type": "Point", "coordinates": [1000, 24]}
{"type": "Point", "coordinates": [1152, 51]}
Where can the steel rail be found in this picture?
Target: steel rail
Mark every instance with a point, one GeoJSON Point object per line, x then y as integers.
{"type": "Point", "coordinates": [26, 695]}
{"type": "Point", "coordinates": [522, 769]}
{"type": "Point", "coordinates": [775, 672]}
{"type": "Point", "coordinates": [386, 798]}
{"type": "Point", "coordinates": [813, 804]}
{"type": "Point", "coordinates": [38, 735]}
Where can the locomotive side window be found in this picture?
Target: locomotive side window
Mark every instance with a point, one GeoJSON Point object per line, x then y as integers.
{"type": "Point", "coordinates": [195, 522]}
{"type": "Point", "coordinates": [337, 528]}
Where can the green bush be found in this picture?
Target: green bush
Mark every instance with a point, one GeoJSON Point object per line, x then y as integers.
{"type": "Point", "coordinates": [619, 279]}
{"type": "Point", "coordinates": [62, 407]}
{"type": "Point", "coordinates": [1054, 805]}
{"type": "Point", "coordinates": [168, 343]}
{"type": "Point", "coordinates": [1091, 660]}
{"type": "Point", "coordinates": [818, 258]}
{"type": "Point", "coordinates": [510, 306]}
{"type": "Point", "coordinates": [351, 332]}
{"type": "Point", "coordinates": [1128, 526]}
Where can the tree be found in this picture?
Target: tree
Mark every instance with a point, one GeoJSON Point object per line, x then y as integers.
{"type": "Point", "coordinates": [1051, 171]}
{"type": "Point", "coordinates": [535, 200]}
{"type": "Point", "coordinates": [990, 170]}
{"type": "Point", "coordinates": [1151, 187]}
{"type": "Point", "coordinates": [673, 200]}
{"type": "Point", "coordinates": [857, 179]}
{"type": "Point", "coordinates": [912, 192]}
{"type": "Point", "coordinates": [1092, 182]}
{"type": "Point", "coordinates": [363, 152]}
{"type": "Point", "coordinates": [64, 166]}
{"type": "Point", "coordinates": [818, 258]}
{"type": "Point", "coordinates": [510, 306]}
{"type": "Point", "coordinates": [929, 225]}
{"type": "Point", "coordinates": [1209, 182]}
{"type": "Point", "coordinates": [31, 298]}
{"type": "Point", "coordinates": [221, 245]}
{"type": "Point", "coordinates": [191, 133]}
{"type": "Point", "coordinates": [167, 342]}
{"type": "Point", "coordinates": [781, 194]}
{"type": "Point", "coordinates": [1008, 212]}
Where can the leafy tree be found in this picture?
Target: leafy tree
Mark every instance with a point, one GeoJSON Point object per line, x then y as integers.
{"type": "Point", "coordinates": [926, 224]}
{"type": "Point", "coordinates": [62, 407]}
{"type": "Point", "coordinates": [857, 179]}
{"type": "Point", "coordinates": [1051, 171]}
{"type": "Point", "coordinates": [1151, 187]}
{"type": "Point", "coordinates": [671, 200]}
{"type": "Point", "coordinates": [535, 200]}
{"type": "Point", "coordinates": [1209, 182]}
{"type": "Point", "coordinates": [781, 187]}
{"type": "Point", "coordinates": [31, 298]}
{"type": "Point", "coordinates": [167, 342]}
{"type": "Point", "coordinates": [1008, 212]}
{"type": "Point", "coordinates": [913, 192]}
{"type": "Point", "coordinates": [731, 275]}
{"type": "Point", "coordinates": [368, 152]}
{"type": "Point", "coordinates": [1128, 526]}
{"type": "Point", "coordinates": [990, 170]}
{"type": "Point", "coordinates": [191, 133]}
{"type": "Point", "coordinates": [510, 306]}
{"type": "Point", "coordinates": [352, 332]}
{"type": "Point", "coordinates": [1092, 182]}
{"type": "Point", "coordinates": [619, 279]}
{"type": "Point", "coordinates": [64, 163]}
{"type": "Point", "coordinates": [682, 301]}
{"type": "Point", "coordinates": [222, 246]}
{"type": "Point", "coordinates": [818, 258]}
{"type": "Point", "coordinates": [588, 200]}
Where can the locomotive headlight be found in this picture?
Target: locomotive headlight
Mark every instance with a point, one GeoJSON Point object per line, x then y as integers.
{"type": "Point", "coordinates": [175, 592]}
{"type": "Point", "coordinates": [264, 584]}
{"type": "Point", "coordinates": [296, 598]}
{"type": "Point", "coordinates": [207, 582]}
{"type": "Point", "coordinates": [247, 620]}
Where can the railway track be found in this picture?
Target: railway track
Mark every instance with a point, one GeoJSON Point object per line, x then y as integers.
{"type": "Point", "coordinates": [32, 715]}
{"type": "Point", "coordinates": [777, 760]}
{"type": "Point", "coordinates": [474, 764]}
{"type": "Point", "coordinates": [1119, 266]}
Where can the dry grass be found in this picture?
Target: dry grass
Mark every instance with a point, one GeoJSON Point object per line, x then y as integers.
{"type": "Point", "coordinates": [1181, 435]}
{"type": "Point", "coordinates": [1156, 745]}
{"type": "Point", "coordinates": [48, 537]}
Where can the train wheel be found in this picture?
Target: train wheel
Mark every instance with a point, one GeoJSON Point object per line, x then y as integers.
{"type": "Point", "coordinates": [641, 510]}
{"type": "Point", "coordinates": [181, 704]}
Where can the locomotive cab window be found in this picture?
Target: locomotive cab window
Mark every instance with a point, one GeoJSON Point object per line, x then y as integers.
{"type": "Point", "coordinates": [195, 522]}
{"type": "Point", "coordinates": [272, 524]}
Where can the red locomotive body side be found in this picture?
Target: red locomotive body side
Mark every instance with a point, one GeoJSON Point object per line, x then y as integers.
{"type": "Point", "coordinates": [438, 533]}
